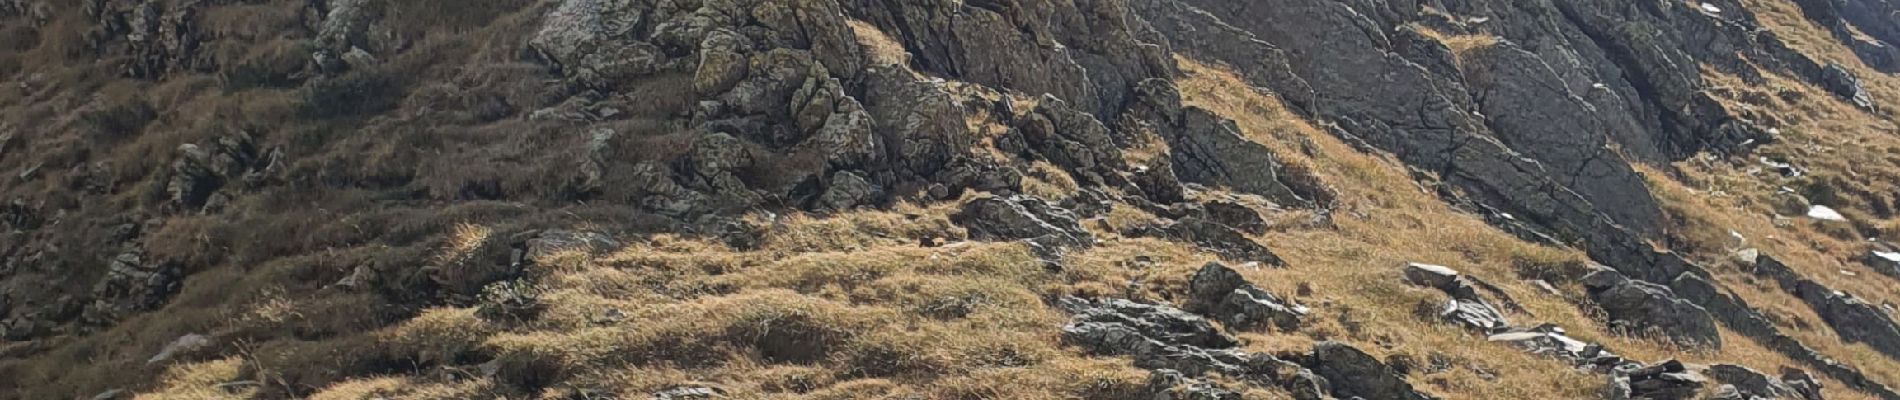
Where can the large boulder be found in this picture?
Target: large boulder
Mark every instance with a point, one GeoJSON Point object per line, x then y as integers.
{"type": "Point", "coordinates": [1022, 218]}
{"type": "Point", "coordinates": [1353, 373]}
{"type": "Point", "coordinates": [1752, 384]}
{"type": "Point", "coordinates": [1853, 319]}
{"type": "Point", "coordinates": [1465, 306]}
{"type": "Point", "coordinates": [1639, 307]}
{"type": "Point", "coordinates": [1669, 380]}
{"type": "Point", "coordinates": [1222, 294]}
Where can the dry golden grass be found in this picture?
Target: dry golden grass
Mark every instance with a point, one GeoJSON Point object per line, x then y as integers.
{"type": "Point", "coordinates": [881, 49]}
{"type": "Point", "coordinates": [851, 306]}
{"type": "Point", "coordinates": [1460, 44]}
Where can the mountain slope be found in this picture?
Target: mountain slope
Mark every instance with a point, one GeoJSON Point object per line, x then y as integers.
{"type": "Point", "coordinates": [359, 199]}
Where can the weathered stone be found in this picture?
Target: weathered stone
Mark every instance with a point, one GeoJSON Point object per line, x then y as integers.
{"type": "Point", "coordinates": [1751, 384]}
{"type": "Point", "coordinates": [1550, 341]}
{"type": "Point", "coordinates": [1022, 218]}
{"type": "Point", "coordinates": [1354, 373]}
{"type": "Point", "coordinates": [1669, 380]}
{"type": "Point", "coordinates": [1222, 294]}
{"type": "Point", "coordinates": [1637, 307]}
{"type": "Point", "coordinates": [1853, 319]}
{"type": "Point", "coordinates": [1211, 150]}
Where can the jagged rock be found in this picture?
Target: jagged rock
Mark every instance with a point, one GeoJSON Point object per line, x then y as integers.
{"type": "Point", "coordinates": [1803, 385]}
{"type": "Point", "coordinates": [1836, 79]}
{"type": "Point", "coordinates": [158, 37]}
{"type": "Point", "coordinates": [923, 125]}
{"type": "Point", "coordinates": [1158, 337]}
{"type": "Point", "coordinates": [581, 39]}
{"type": "Point", "coordinates": [110, 394]}
{"type": "Point", "coordinates": [132, 284]}
{"type": "Point", "coordinates": [1883, 260]}
{"type": "Point", "coordinates": [1854, 320]}
{"type": "Point", "coordinates": [1638, 306]}
{"type": "Point", "coordinates": [1669, 380]}
{"type": "Point", "coordinates": [1022, 218]}
{"type": "Point", "coordinates": [1550, 341]}
{"type": "Point", "coordinates": [1071, 139]}
{"type": "Point", "coordinates": [1750, 384]}
{"type": "Point", "coordinates": [1091, 54]}
{"type": "Point", "coordinates": [1171, 341]}
{"type": "Point", "coordinates": [1220, 239]}
{"type": "Point", "coordinates": [846, 190]}
{"type": "Point", "coordinates": [1355, 373]}
{"type": "Point", "coordinates": [1221, 293]}
{"type": "Point", "coordinates": [1476, 315]}
{"type": "Point", "coordinates": [1465, 307]}
{"type": "Point", "coordinates": [199, 171]}
{"type": "Point", "coordinates": [1158, 181]}
{"type": "Point", "coordinates": [1211, 150]}
{"type": "Point", "coordinates": [1236, 215]}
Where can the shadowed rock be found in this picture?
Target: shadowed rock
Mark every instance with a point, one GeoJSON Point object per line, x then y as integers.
{"type": "Point", "coordinates": [1637, 306]}
{"type": "Point", "coordinates": [1220, 292]}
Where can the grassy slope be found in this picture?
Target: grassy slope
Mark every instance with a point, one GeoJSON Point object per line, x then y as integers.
{"type": "Point", "coordinates": [889, 318]}
{"type": "Point", "coordinates": [884, 317]}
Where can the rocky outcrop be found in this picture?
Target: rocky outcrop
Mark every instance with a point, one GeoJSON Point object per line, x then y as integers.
{"type": "Point", "coordinates": [1022, 218]}
{"type": "Point", "coordinates": [1669, 380]}
{"type": "Point", "coordinates": [1465, 306]}
{"type": "Point", "coordinates": [1220, 239]}
{"type": "Point", "coordinates": [1638, 307]}
{"type": "Point", "coordinates": [1853, 319]}
{"type": "Point", "coordinates": [1551, 341]}
{"type": "Point", "coordinates": [132, 284]}
{"type": "Point", "coordinates": [1747, 383]}
{"type": "Point", "coordinates": [1220, 292]}
{"type": "Point", "coordinates": [1211, 150]}
{"type": "Point", "coordinates": [200, 171]}
{"type": "Point", "coordinates": [157, 36]}
{"type": "Point", "coordinates": [1157, 337]}
{"type": "Point", "coordinates": [1354, 373]}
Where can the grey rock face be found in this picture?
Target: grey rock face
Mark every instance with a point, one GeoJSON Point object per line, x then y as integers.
{"type": "Point", "coordinates": [199, 171]}
{"type": "Point", "coordinates": [1836, 79]}
{"type": "Point", "coordinates": [1158, 337]}
{"type": "Point", "coordinates": [1550, 341]}
{"type": "Point", "coordinates": [1222, 293]}
{"type": "Point", "coordinates": [1465, 307]}
{"type": "Point", "coordinates": [1177, 347]}
{"type": "Point", "coordinates": [158, 36]}
{"type": "Point", "coordinates": [1850, 317]}
{"type": "Point", "coordinates": [1074, 140]}
{"type": "Point", "coordinates": [1210, 150]}
{"type": "Point", "coordinates": [690, 393]}
{"type": "Point", "coordinates": [1638, 306]}
{"type": "Point", "coordinates": [1022, 218]}
{"type": "Point", "coordinates": [1354, 373]}
{"type": "Point", "coordinates": [1669, 380]}
{"type": "Point", "coordinates": [132, 284]}
{"type": "Point", "coordinates": [1751, 384]}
